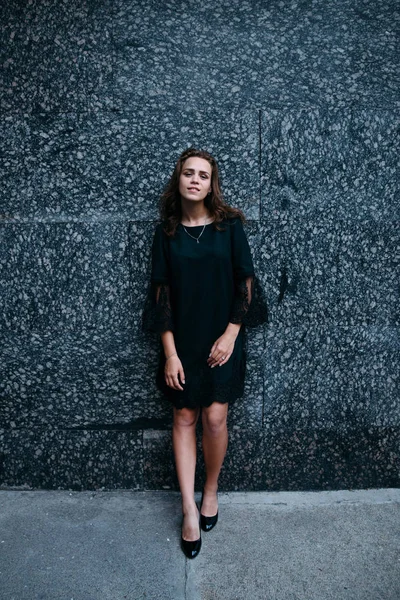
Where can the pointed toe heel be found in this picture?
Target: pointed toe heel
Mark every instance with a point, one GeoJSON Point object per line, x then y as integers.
{"type": "Point", "coordinates": [207, 523]}
{"type": "Point", "coordinates": [191, 549]}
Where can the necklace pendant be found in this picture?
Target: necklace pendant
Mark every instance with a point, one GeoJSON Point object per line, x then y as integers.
{"type": "Point", "coordinates": [198, 241]}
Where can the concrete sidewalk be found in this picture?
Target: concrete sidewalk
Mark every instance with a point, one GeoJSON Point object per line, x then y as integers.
{"type": "Point", "coordinates": [60, 545]}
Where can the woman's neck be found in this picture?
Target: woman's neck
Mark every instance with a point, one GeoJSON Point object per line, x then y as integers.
{"type": "Point", "coordinates": [195, 215]}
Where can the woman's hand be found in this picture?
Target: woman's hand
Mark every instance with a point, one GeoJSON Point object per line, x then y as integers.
{"type": "Point", "coordinates": [222, 350]}
{"type": "Point", "coordinates": [173, 368]}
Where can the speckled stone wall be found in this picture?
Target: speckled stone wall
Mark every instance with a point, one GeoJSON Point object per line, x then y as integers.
{"type": "Point", "coordinates": [299, 101]}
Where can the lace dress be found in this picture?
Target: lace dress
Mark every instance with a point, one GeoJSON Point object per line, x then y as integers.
{"type": "Point", "coordinates": [196, 289]}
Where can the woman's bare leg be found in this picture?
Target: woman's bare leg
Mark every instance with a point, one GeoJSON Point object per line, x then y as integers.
{"type": "Point", "coordinates": [215, 443]}
{"type": "Point", "coordinates": [184, 446]}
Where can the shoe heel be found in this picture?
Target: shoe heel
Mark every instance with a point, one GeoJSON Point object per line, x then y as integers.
{"type": "Point", "coordinates": [192, 549]}
{"type": "Point", "coordinates": [207, 523]}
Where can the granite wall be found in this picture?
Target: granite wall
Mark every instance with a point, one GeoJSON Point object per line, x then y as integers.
{"type": "Point", "coordinates": [299, 101]}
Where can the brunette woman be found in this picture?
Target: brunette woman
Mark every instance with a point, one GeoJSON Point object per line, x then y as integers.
{"type": "Point", "coordinates": [203, 292]}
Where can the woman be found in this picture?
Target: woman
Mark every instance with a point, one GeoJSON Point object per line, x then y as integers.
{"type": "Point", "coordinates": [202, 287]}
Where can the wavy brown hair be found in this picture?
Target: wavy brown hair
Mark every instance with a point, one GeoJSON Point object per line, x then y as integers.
{"type": "Point", "coordinates": [170, 201]}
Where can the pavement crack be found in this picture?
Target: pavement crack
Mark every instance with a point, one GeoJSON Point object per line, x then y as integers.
{"type": "Point", "coordinates": [192, 591]}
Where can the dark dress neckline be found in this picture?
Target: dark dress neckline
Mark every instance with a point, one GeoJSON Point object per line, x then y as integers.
{"type": "Point", "coordinates": [194, 226]}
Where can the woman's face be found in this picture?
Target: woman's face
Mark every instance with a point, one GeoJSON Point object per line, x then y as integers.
{"type": "Point", "coordinates": [195, 179]}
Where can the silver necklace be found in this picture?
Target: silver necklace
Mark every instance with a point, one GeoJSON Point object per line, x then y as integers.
{"type": "Point", "coordinates": [192, 236]}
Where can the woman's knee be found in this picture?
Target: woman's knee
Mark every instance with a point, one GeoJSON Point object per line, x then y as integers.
{"type": "Point", "coordinates": [214, 420]}
{"type": "Point", "coordinates": [185, 417]}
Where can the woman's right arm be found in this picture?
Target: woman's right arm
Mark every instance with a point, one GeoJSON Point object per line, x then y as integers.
{"type": "Point", "coordinates": [168, 342]}
{"type": "Point", "coordinates": [157, 315]}
{"type": "Point", "coordinates": [173, 367]}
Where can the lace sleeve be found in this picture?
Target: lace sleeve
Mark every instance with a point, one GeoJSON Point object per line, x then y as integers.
{"type": "Point", "coordinates": [157, 313]}
{"type": "Point", "coordinates": [249, 304]}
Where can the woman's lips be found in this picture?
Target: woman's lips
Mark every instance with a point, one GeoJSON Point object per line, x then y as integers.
{"type": "Point", "coordinates": [193, 190]}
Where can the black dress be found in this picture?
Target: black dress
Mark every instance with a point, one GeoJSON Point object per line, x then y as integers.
{"type": "Point", "coordinates": [196, 289]}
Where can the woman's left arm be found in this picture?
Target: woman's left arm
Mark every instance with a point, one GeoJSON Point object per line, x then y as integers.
{"type": "Point", "coordinates": [222, 349]}
{"type": "Point", "coordinates": [243, 274]}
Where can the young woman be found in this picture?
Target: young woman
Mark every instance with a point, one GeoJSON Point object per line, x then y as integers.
{"type": "Point", "coordinates": [203, 291]}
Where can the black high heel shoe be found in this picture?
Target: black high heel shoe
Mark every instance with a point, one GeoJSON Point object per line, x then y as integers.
{"type": "Point", "coordinates": [207, 523]}
{"type": "Point", "coordinates": [191, 549]}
